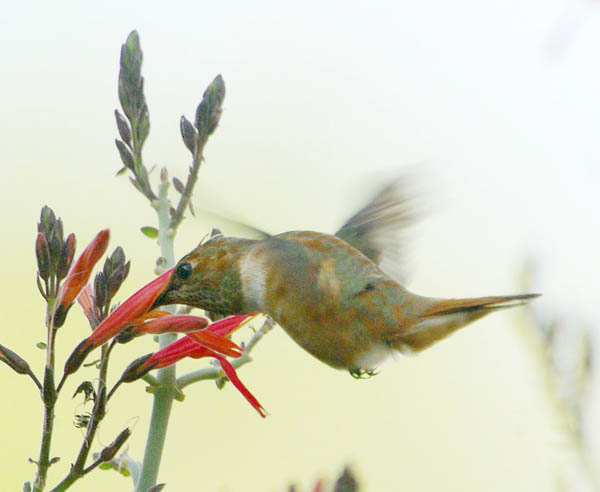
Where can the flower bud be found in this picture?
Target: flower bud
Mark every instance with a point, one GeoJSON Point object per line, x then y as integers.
{"type": "Point", "coordinates": [123, 127]}
{"type": "Point", "coordinates": [117, 258]}
{"type": "Point", "coordinates": [137, 369]}
{"type": "Point", "coordinates": [66, 257]}
{"type": "Point", "coordinates": [209, 110]}
{"type": "Point", "coordinates": [55, 246]}
{"type": "Point", "coordinates": [60, 314]}
{"type": "Point", "coordinates": [47, 220]}
{"type": "Point", "coordinates": [77, 357]}
{"type": "Point", "coordinates": [126, 155]}
{"type": "Point", "coordinates": [42, 253]}
{"type": "Point", "coordinates": [14, 361]}
{"type": "Point", "coordinates": [116, 279]}
{"type": "Point", "coordinates": [109, 452]}
{"type": "Point", "coordinates": [100, 289]}
{"type": "Point", "coordinates": [57, 230]}
{"type": "Point", "coordinates": [188, 134]}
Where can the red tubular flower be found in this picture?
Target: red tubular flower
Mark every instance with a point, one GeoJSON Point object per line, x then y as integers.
{"type": "Point", "coordinates": [185, 323]}
{"type": "Point", "coordinates": [127, 313]}
{"type": "Point", "coordinates": [229, 370]}
{"type": "Point", "coordinates": [133, 308]}
{"type": "Point", "coordinates": [79, 274]}
{"type": "Point", "coordinates": [193, 345]}
{"type": "Point", "coordinates": [175, 351]}
{"type": "Point", "coordinates": [180, 323]}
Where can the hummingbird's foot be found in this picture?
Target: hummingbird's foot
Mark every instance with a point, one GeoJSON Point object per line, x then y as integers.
{"type": "Point", "coordinates": [363, 373]}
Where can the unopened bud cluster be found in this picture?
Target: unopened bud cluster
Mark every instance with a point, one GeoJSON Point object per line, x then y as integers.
{"type": "Point", "coordinates": [53, 252]}
{"type": "Point", "coordinates": [109, 280]}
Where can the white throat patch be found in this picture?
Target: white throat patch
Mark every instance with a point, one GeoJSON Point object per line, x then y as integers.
{"type": "Point", "coordinates": [253, 275]}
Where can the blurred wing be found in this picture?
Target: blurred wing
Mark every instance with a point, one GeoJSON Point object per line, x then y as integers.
{"type": "Point", "coordinates": [237, 227]}
{"type": "Point", "coordinates": [377, 229]}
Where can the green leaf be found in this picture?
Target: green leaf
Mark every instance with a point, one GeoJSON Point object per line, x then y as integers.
{"type": "Point", "coordinates": [151, 232]}
{"type": "Point", "coordinates": [41, 345]}
{"type": "Point", "coordinates": [121, 171]}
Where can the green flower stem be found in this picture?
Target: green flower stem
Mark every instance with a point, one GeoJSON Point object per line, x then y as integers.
{"type": "Point", "coordinates": [165, 391]}
{"type": "Point", "coordinates": [49, 399]}
{"type": "Point", "coordinates": [78, 469]}
{"type": "Point", "coordinates": [43, 463]}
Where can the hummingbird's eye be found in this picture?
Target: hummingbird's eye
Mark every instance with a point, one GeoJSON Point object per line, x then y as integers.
{"type": "Point", "coordinates": [183, 271]}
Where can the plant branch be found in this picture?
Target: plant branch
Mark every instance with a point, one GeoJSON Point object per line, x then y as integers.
{"type": "Point", "coordinates": [49, 399]}
{"type": "Point", "coordinates": [208, 115]}
{"type": "Point", "coordinates": [77, 470]}
{"type": "Point", "coordinates": [166, 377]}
{"type": "Point", "coordinates": [44, 462]}
{"type": "Point", "coordinates": [35, 380]}
{"type": "Point", "coordinates": [186, 195]}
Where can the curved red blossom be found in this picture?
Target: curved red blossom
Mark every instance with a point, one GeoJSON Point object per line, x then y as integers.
{"type": "Point", "coordinates": [193, 326]}
{"type": "Point", "coordinates": [217, 343]}
{"type": "Point", "coordinates": [193, 346]}
{"type": "Point", "coordinates": [175, 351]}
{"type": "Point", "coordinates": [228, 325]}
{"type": "Point", "coordinates": [171, 323]}
{"type": "Point", "coordinates": [229, 370]}
{"type": "Point", "coordinates": [135, 306]}
{"type": "Point", "coordinates": [79, 275]}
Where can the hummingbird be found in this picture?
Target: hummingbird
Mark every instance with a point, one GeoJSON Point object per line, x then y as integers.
{"type": "Point", "coordinates": [329, 292]}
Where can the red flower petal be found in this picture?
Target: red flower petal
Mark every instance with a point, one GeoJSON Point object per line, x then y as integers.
{"type": "Point", "coordinates": [177, 350]}
{"type": "Point", "coordinates": [186, 347]}
{"type": "Point", "coordinates": [81, 270]}
{"type": "Point", "coordinates": [181, 323]}
{"type": "Point", "coordinates": [232, 376]}
{"type": "Point", "coordinates": [227, 325]}
{"type": "Point", "coordinates": [215, 342]}
{"type": "Point", "coordinates": [135, 306]}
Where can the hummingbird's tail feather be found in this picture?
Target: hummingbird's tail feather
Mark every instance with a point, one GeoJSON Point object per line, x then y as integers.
{"type": "Point", "coordinates": [444, 316]}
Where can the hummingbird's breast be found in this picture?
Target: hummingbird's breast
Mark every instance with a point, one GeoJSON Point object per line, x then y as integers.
{"type": "Point", "coordinates": [330, 298]}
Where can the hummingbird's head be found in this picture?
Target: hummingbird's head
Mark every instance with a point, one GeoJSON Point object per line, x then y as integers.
{"type": "Point", "coordinates": [208, 277]}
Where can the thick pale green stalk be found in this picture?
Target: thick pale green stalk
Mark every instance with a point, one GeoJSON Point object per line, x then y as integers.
{"type": "Point", "coordinates": [164, 393]}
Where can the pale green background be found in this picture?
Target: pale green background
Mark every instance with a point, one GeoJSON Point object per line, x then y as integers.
{"type": "Point", "coordinates": [324, 99]}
